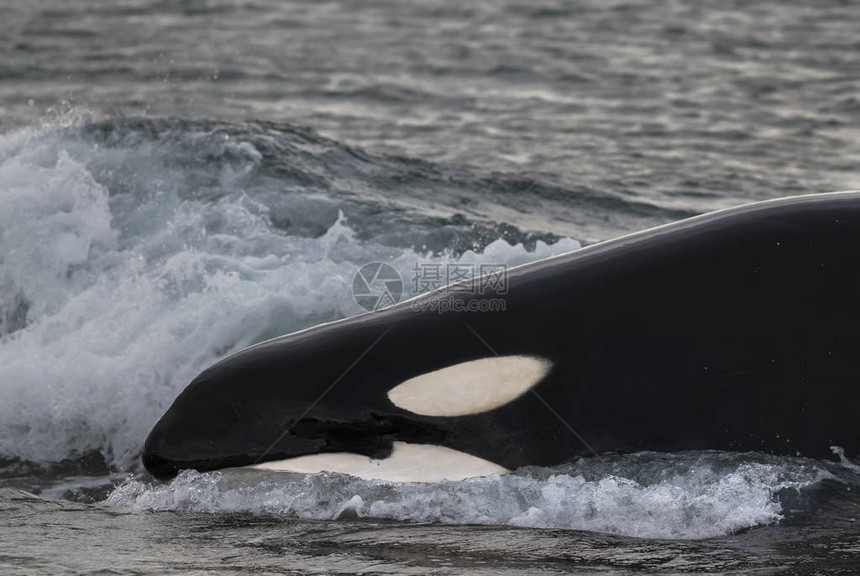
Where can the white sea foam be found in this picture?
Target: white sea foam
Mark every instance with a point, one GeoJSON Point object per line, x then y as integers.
{"type": "Point", "coordinates": [684, 496]}
{"type": "Point", "coordinates": [126, 267]}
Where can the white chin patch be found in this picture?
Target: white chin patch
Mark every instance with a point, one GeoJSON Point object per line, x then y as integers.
{"type": "Point", "coordinates": [470, 387]}
{"type": "Point", "coordinates": [407, 463]}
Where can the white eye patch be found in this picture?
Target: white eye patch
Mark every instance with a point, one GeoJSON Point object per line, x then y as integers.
{"type": "Point", "coordinates": [470, 387]}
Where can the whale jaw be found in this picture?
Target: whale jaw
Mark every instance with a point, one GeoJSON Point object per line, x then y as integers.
{"type": "Point", "coordinates": [407, 463]}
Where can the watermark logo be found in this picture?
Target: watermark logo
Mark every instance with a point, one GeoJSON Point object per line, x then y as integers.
{"type": "Point", "coordinates": [442, 303]}
{"type": "Point", "coordinates": [486, 278]}
{"type": "Point", "coordinates": [377, 286]}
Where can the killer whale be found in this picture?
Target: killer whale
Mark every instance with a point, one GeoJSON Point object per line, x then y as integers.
{"type": "Point", "coordinates": [736, 330]}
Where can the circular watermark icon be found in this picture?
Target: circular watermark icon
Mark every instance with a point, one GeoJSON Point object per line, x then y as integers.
{"type": "Point", "coordinates": [377, 286]}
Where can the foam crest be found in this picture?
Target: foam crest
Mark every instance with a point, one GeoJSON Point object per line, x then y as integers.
{"type": "Point", "coordinates": [130, 261]}
{"type": "Point", "coordinates": [692, 497]}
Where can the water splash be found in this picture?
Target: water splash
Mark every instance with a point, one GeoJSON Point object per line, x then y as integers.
{"type": "Point", "coordinates": [135, 253]}
{"type": "Point", "coordinates": [684, 496]}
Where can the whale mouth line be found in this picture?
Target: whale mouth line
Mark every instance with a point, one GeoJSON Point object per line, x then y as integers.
{"type": "Point", "coordinates": [407, 463]}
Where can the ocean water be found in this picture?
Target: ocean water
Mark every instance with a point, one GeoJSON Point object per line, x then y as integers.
{"type": "Point", "coordinates": [179, 180]}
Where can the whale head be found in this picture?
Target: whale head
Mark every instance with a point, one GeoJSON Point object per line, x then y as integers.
{"type": "Point", "coordinates": [352, 398]}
